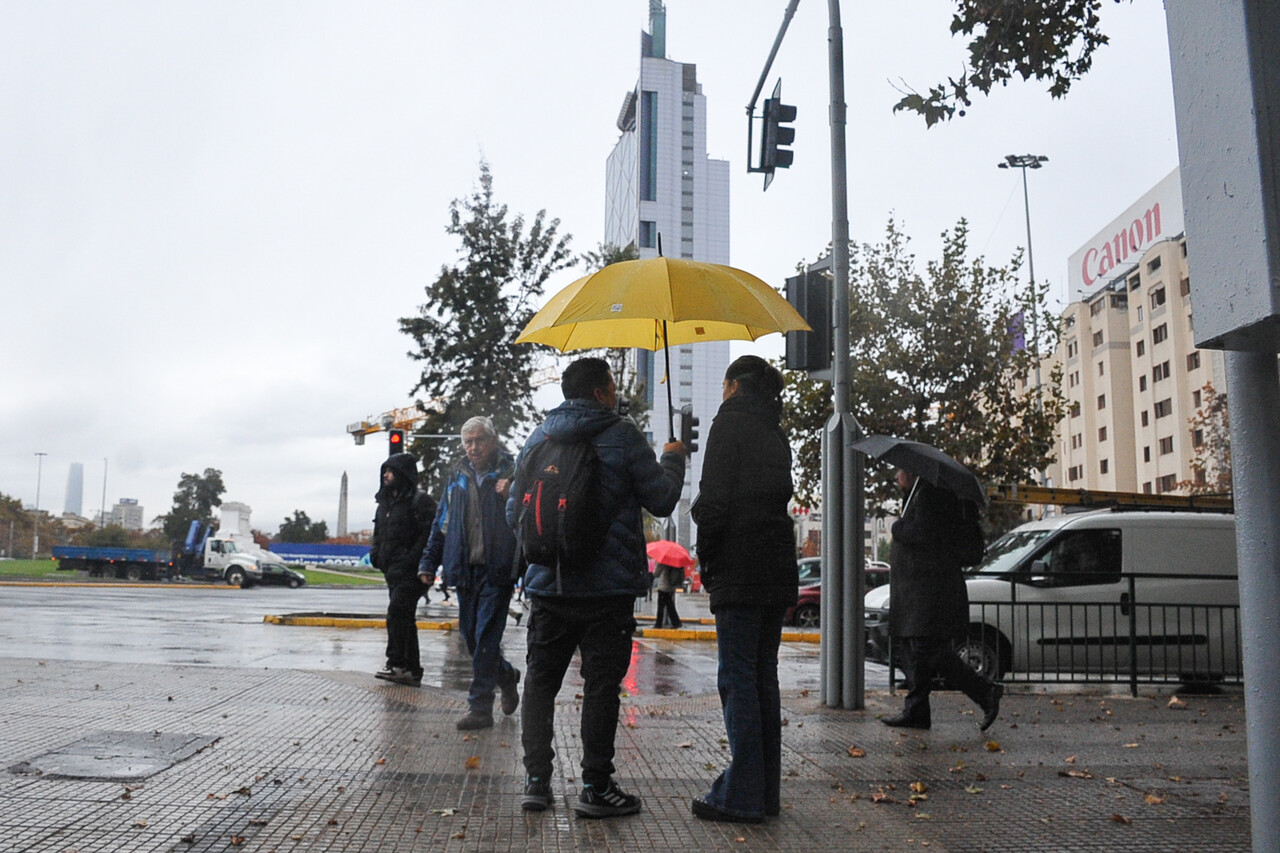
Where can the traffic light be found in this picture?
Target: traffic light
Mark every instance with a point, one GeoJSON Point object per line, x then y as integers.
{"type": "Point", "coordinates": [395, 442]}
{"type": "Point", "coordinates": [688, 428]}
{"type": "Point", "coordinates": [776, 116]}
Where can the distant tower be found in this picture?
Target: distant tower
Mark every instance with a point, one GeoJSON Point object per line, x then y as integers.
{"type": "Point", "coordinates": [342, 507]}
{"type": "Point", "coordinates": [74, 503]}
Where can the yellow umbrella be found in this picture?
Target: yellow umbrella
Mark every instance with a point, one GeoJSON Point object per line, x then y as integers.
{"type": "Point", "coordinates": [656, 302]}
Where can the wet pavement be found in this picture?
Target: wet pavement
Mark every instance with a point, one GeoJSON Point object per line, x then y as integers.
{"type": "Point", "coordinates": [297, 747]}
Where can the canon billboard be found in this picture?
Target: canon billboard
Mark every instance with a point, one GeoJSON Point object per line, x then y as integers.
{"type": "Point", "coordinates": [1154, 217]}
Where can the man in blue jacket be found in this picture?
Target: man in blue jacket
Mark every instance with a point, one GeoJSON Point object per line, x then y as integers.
{"type": "Point", "coordinates": [471, 539]}
{"type": "Point", "coordinates": [591, 610]}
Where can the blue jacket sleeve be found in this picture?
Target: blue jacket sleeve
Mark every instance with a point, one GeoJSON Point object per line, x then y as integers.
{"type": "Point", "coordinates": [658, 484]}
{"type": "Point", "coordinates": [434, 552]}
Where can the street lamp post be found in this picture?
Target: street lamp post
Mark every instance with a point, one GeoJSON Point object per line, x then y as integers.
{"type": "Point", "coordinates": [35, 533]}
{"type": "Point", "coordinates": [1024, 162]}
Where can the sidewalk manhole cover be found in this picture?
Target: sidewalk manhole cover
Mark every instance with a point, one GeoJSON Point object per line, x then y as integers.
{"type": "Point", "coordinates": [115, 756]}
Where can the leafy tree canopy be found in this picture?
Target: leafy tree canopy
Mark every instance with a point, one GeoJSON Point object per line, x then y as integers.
{"type": "Point", "coordinates": [938, 357]}
{"type": "Point", "coordinates": [194, 500]}
{"type": "Point", "coordinates": [1211, 437]}
{"type": "Point", "coordinates": [1051, 40]}
{"type": "Point", "coordinates": [464, 334]}
{"type": "Point", "coordinates": [300, 528]}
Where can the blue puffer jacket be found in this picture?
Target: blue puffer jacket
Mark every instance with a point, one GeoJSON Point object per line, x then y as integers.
{"type": "Point", "coordinates": [630, 478]}
{"type": "Point", "coordinates": [448, 545]}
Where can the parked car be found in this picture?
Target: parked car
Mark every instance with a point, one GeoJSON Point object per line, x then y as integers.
{"type": "Point", "coordinates": [278, 574]}
{"type": "Point", "coordinates": [1100, 593]}
{"type": "Point", "coordinates": [808, 610]}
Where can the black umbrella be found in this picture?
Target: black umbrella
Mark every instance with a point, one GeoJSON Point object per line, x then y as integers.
{"type": "Point", "coordinates": [926, 462]}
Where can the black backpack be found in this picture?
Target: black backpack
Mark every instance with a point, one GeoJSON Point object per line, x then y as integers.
{"type": "Point", "coordinates": [560, 522]}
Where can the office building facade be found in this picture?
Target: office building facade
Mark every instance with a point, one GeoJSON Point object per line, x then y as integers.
{"type": "Point", "coordinates": [663, 190]}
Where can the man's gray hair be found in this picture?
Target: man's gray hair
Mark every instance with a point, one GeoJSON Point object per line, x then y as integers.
{"type": "Point", "coordinates": [481, 423]}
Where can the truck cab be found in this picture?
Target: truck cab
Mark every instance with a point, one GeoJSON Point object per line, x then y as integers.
{"type": "Point", "coordinates": [217, 558]}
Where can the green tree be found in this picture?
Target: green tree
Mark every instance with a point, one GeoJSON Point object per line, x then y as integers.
{"type": "Point", "coordinates": [464, 334]}
{"type": "Point", "coordinates": [301, 528]}
{"type": "Point", "coordinates": [194, 500]}
{"type": "Point", "coordinates": [937, 358]}
{"type": "Point", "coordinates": [1051, 40]}
{"type": "Point", "coordinates": [630, 386]}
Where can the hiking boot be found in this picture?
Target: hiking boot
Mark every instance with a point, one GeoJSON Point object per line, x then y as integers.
{"type": "Point", "coordinates": [511, 694]}
{"type": "Point", "coordinates": [608, 801]}
{"type": "Point", "coordinates": [537, 795]}
{"type": "Point", "coordinates": [992, 708]}
{"type": "Point", "coordinates": [705, 811]}
{"type": "Point", "coordinates": [475, 720]}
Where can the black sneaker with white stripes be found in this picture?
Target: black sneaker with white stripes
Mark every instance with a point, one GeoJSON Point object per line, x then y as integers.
{"type": "Point", "coordinates": [608, 801]}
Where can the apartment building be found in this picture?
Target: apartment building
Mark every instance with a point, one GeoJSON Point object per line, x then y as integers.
{"type": "Point", "coordinates": [1132, 375]}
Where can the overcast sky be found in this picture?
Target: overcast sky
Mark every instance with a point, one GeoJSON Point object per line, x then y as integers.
{"type": "Point", "coordinates": [213, 213]}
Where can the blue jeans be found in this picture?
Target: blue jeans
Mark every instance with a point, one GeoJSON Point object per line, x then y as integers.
{"type": "Point", "coordinates": [748, 640]}
{"type": "Point", "coordinates": [601, 629]}
{"type": "Point", "coordinates": [482, 618]}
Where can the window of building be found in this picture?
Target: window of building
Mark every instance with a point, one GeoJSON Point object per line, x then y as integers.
{"type": "Point", "coordinates": [1142, 382]}
{"type": "Point", "coordinates": [1072, 348]}
{"type": "Point", "coordinates": [1164, 408]}
{"type": "Point", "coordinates": [1102, 433]}
{"type": "Point", "coordinates": [1157, 298]}
{"type": "Point", "coordinates": [1146, 454]}
{"type": "Point", "coordinates": [1201, 479]}
{"type": "Point", "coordinates": [1166, 445]}
{"type": "Point", "coordinates": [1195, 399]}
{"type": "Point", "coordinates": [1102, 466]}
{"type": "Point", "coordinates": [1161, 371]}
{"type": "Point", "coordinates": [1197, 438]}
{"type": "Point", "coordinates": [1139, 313]}
{"type": "Point", "coordinates": [1159, 333]}
{"type": "Point", "coordinates": [1153, 265]}
{"type": "Point", "coordinates": [1096, 307]}
{"type": "Point", "coordinates": [1074, 379]}
{"type": "Point", "coordinates": [1075, 409]}
{"type": "Point", "coordinates": [1134, 281]}
{"type": "Point", "coordinates": [1077, 440]}
{"type": "Point", "coordinates": [1193, 360]}
{"type": "Point", "coordinates": [1102, 401]}
{"type": "Point", "coordinates": [1119, 300]}
{"type": "Point", "coordinates": [648, 234]}
{"type": "Point", "coordinates": [1100, 370]}
{"type": "Point", "coordinates": [1184, 287]}
{"type": "Point", "coordinates": [1141, 348]}
{"type": "Point", "coordinates": [1167, 483]}
{"type": "Point", "coordinates": [1075, 472]}
{"type": "Point", "coordinates": [1144, 418]}
{"type": "Point", "coordinates": [1070, 322]}
{"type": "Point", "coordinates": [1146, 488]}
{"type": "Point", "coordinates": [1097, 339]}
{"type": "Point", "coordinates": [649, 146]}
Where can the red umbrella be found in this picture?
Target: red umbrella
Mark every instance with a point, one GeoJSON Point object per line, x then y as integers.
{"type": "Point", "coordinates": [670, 554]}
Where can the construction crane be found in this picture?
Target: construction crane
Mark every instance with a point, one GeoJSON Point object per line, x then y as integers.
{"type": "Point", "coordinates": [405, 418]}
{"type": "Point", "coordinates": [1021, 494]}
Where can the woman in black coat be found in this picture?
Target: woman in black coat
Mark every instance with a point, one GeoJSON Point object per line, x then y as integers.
{"type": "Point", "coordinates": [928, 602]}
{"type": "Point", "coordinates": [747, 549]}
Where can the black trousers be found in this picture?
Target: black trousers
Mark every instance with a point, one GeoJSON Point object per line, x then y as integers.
{"type": "Point", "coordinates": [925, 658]}
{"type": "Point", "coordinates": [600, 629]}
{"type": "Point", "coordinates": [403, 592]}
{"type": "Point", "coordinates": [667, 617]}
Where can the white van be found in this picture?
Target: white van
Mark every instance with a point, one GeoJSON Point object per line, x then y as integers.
{"type": "Point", "coordinates": [1067, 595]}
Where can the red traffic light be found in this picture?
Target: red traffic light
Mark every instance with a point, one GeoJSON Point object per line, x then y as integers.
{"type": "Point", "coordinates": [395, 442]}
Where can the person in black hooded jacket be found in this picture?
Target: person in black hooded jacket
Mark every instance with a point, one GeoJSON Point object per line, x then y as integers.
{"type": "Point", "coordinates": [401, 527]}
{"type": "Point", "coordinates": [747, 549]}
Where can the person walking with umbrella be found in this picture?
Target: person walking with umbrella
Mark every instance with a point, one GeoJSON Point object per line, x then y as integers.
{"type": "Point", "coordinates": [672, 559]}
{"type": "Point", "coordinates": [935, 536]}
{"type": "Point", "coordinates": [747, 550]}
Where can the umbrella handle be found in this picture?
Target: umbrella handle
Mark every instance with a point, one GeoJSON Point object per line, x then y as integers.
{"type": "Point", "coordinates": [671, 415]}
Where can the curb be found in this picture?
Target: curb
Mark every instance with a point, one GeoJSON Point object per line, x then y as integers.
{"type": "Point", "coordinates": [323, 621]}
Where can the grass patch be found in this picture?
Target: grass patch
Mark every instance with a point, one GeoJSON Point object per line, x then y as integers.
{"type": "Point", "coordinates": [31, 569]}
{"type": "Point", "coordinates": [320, 576]}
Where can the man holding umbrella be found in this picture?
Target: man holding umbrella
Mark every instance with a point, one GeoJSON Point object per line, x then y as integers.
{"type": "Point", "coordinates": [928, 602]}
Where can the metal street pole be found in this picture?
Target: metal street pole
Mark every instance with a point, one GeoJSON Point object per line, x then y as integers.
{"type": "Point", "coordinates": [1024, 162]}
{"type": "Point", "coordinates": [102, 516]}
{"type": "Point", "coordinates": [35, 534]}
